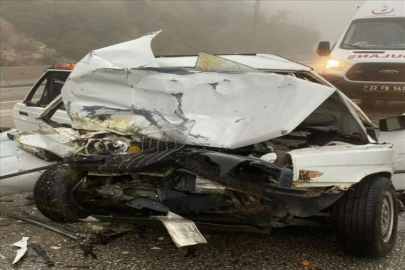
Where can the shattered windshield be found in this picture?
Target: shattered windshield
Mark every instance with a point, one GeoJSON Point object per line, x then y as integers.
{"type": "Point", "coordinates": [381, 33]}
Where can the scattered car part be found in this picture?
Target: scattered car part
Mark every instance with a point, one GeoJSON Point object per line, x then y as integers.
{"type": "Point", "coordinates": [42, 253]}
{"type": "Point", "coordinates": [86, 243]}
{"type": "Point", "coordinates": [183, 231]}
{"type": "Point", "coordinates": [29, 171]}
{"type": "Point", "coordinates": [46, 226]}
{"type": "Point", "coordinates": [22, 244]}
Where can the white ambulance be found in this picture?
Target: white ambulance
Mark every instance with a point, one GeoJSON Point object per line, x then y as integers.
{"type": "Point", "coordinates": [368, 60]}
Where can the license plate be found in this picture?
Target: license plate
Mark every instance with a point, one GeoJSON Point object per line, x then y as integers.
{"type": "Point", "coordinates": [384, 88]}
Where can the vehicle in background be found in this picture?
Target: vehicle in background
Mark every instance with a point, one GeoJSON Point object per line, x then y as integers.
{"type": "Point", "coordinates": [368, 60]}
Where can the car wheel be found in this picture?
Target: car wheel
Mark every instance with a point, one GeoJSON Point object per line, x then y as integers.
{"type": "Point", "coordinates": [366, 218]}
{"type": "Point", "coordinates": [53, 194]}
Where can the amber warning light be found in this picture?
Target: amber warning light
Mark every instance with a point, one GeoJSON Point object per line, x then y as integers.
{"type": "Point", "coordinates": [68, 66]}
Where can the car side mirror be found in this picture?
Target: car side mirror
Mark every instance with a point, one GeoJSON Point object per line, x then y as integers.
{"type": "Point", "coordinates": [393, 123]}
{"type": "Point", "coordinates": [323, 48]}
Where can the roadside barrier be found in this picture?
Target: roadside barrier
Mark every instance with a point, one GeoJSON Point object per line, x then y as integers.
{"type": "Point", "coordinates": [20, 76]}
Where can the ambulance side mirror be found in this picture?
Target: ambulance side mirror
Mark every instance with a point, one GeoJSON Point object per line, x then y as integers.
{"type": "Point", "coordinates": [323, 48]}
{"type": "Point", "coordinates": [393, 123]}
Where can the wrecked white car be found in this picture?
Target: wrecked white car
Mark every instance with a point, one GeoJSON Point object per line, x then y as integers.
{"type": "Point", "coordinates": [228, 141]}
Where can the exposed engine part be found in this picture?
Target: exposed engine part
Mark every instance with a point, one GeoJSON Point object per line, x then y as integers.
{"type": "Point", "coordinates": [106, 146]}
{"type": "Point", "coordinates": [113, 193]}
{"type": "Point", "coordinates": [142, 203]}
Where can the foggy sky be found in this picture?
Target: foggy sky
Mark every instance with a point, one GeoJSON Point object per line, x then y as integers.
{"type": "Point", "coordinates": [221, 26]}
{"type": "Point", "coordinates": [330, 18]}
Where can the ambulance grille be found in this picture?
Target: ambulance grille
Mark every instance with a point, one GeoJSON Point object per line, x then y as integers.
{"type": "Point", "coordinates": [377, 72]}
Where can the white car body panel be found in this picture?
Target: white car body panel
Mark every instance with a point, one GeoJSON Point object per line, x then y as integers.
{"type": "Point", "coordinates": [59, 141]}
{"type": "Point", "coordinates": [29, 122]}
{"type": "Point", "coordinates": [12, 160]}
{"type": "Point", "coordinates": [341, 165]}
{"type": "Point", "coordinates": [397, 138]}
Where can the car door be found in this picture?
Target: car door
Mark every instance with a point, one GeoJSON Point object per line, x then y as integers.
{"type": "Point", "coordinates": [393, 131]}
{"type": "Point", "coordinates": [44, 91]}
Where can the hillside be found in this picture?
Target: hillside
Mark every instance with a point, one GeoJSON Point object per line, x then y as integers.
{"type": "Point", "coordinates": [20, 50]}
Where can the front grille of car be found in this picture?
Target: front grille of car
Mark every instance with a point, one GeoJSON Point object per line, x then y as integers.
{"type": "Point", "coordinates": [377, 72]}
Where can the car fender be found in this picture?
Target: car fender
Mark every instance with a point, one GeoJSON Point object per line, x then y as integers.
{"type": "Point", "coordinates": [340, 165]}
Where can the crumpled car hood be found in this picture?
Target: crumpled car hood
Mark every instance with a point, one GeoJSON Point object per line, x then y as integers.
{"type": "Point", "coordinates": [122, 89]}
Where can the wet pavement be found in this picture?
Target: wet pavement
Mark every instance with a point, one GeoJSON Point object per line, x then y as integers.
{"type": "Point", "coordinates": [382, 109]}
{"type": "Point", "coordinates": [148, 248]}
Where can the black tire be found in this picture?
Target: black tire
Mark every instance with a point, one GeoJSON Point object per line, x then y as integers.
{"type": "Point", "coordinates": [53, 194]}
{"type": "Point", "coordinates": [366, 218]}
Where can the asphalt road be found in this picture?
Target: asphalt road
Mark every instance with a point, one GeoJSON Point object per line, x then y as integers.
{"type": "Point", "coordinates": [284, 248]}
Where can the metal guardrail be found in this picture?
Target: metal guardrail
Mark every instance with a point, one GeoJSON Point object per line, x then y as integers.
{"type": "Point", "coordinates": [20, 76]}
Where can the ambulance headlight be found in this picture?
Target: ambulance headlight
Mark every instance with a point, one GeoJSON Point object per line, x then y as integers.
{"type": "Point", "coordinates": [334, 64]}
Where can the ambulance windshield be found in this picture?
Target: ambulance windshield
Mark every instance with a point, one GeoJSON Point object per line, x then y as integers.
{"type": "Point", "coordinates": [372, 34]}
